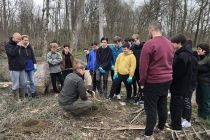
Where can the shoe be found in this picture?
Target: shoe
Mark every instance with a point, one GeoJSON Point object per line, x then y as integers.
{"type": "Point", "coordinates": [186, 124]}
{"type": "Point", "coordinates": [118, 97]}
{"type": "Point", "coordinates": [148, 137]}
{"type": "Point", "coordinates": [157, 130]}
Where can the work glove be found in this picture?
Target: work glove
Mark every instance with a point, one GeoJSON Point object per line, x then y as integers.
{"type": "Point", "coordinates": [115, 76]}
{"type": "Point", "coordinates": [35, 68]}
{"type": "Point", "coordinates": [102, 71]}
{"type": "Point", "coordinates": [112, 67]}
{"type": "Point", "coordinates": [129, 80]}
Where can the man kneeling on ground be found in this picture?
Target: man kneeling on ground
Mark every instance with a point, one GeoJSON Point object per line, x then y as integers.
{"type": "Point", "coordinates": [74, 88]}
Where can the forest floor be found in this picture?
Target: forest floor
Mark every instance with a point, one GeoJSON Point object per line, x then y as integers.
{"type": "Point", "coordinates": [42, 119]}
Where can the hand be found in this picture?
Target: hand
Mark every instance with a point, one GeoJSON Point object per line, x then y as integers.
{"type": "Point", "coordinates": [129, 80]}
{"type": "Point", "coordinates": [35, 68]}
{"type": "Point", "coordinates": [115, 76]}
{"type": "Point", "coordinates": [101, 70]}
{"type": "Point", "coordinates": [112, 67]}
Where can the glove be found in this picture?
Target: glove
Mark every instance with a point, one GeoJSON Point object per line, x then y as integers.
{"type": "Point", "coordinates": [112, 67]}
{"type": "Point", "coordinates": [35, 68]}
{"type": "Point", "coordinates": [129, 80]}
{"type": "Point", "coordinates": [101, 70]}
{"type": "Point", "coordinates": [115, 76]}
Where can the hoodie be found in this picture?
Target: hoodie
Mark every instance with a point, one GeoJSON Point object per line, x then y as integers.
{"type": "Point", "coordinates": [185, 68]}
{"type": "Point", "coordinates": [125, 64]}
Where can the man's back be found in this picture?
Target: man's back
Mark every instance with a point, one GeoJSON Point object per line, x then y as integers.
{"type": "Point", "coordinates": [73, 88]}
{"type": "Point", "coordinates": [156, 61]}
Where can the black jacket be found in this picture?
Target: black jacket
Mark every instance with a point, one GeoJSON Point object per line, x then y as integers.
{"type": "Point", "coordinates": [104, 57]}
{"type": "Point", "coordinates": [15, 56]}
{"type": "Point", "coordinates": [204, 70]}
{"type": "Point", "coordinates": [137, 53]}
{"type": "Point", "coordinates": [73, 88]}
{"type": "Point", "coordinates": [184, 72]}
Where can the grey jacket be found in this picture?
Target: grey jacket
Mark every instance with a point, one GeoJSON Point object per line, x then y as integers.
{"type": "Point", "coordinates": [54, 60]}
{"type": "Point", "coordinates": [73, 88]}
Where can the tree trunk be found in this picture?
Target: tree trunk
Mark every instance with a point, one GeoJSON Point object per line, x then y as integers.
{"type": "Point", "coordinates": [45, 30]}
{"type": "Point", "coordinates": [101, 22]}
{"type": "Point", "coordinates": [203, 5]}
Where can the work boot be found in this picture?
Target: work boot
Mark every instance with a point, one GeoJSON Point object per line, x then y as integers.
{"type": "Point", "coordinates": [16, 95]}
{"type": "Point", "coordinates": [22, 93]}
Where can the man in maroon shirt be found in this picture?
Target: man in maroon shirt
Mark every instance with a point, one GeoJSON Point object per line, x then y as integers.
{"type": "Point", "coordinates": [156, 75]}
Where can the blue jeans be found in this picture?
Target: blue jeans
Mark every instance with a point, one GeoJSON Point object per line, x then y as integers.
{"type": "Point", "coordinates": [29, 82]}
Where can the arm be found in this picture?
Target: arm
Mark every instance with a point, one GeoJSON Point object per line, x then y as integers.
{"type": "Point", "coordinates": [89, 62]}
{"type": "Point", "coordinates": [133, 65]}
{"type": "Point", "coordinates": [11, 50]}
{"type": "Point", "coordinates": [117, 63]}
{"type": "Point", "coordinates": [81, 90]}
{"type": "Point", "coordinates": [179, 67]}
{"type": "Point", "coordinates": [144, 61]}
{"type": "Point", "coordinates": [57, 60]}
{"type": "Point", "coordinates": [98, 61]}
{"type": "Point", "coordinates": [33, 56]}
{"type": "Point", "coordinates": [109, 59]}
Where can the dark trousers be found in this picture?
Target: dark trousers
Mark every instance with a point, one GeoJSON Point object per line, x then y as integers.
{"type": "Point", "coordinates": [155, 103]}
{"type": "Point", "coordinates": [66, 72]}
{"type": "Point", "coordinates": [116, 82]}
{"type": "Point", "coordinates": [118, 87]}
{"type": "Point", "coordinates": [176, 109]}
{"type": "Point", "coordinates": [54, 77]}
{"type": "Point", "coordinates": [187, 111]}
{"type": "Point", "coordinates": [136, 90]}
{"type": "Point", "coordinates": [93, 76]}
{"type": "Point", "coordinates": [105, 82]}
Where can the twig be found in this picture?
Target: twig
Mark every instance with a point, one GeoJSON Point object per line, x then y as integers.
{"type": "Point", "coordinates": [137, 111]}
{"type": "Point", "coordinates": [137, 116]}
{"type": "Point", "coordinates": [186, 135]}
{"type": "Point", "coordinates": [196, 133]}
{"type": "Point", "coordinates": [129, 127]}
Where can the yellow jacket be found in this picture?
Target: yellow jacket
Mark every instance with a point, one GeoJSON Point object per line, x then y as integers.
{"type": "Point", "coordinates": [125, 64]}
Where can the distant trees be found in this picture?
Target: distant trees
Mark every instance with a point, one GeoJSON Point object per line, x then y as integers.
{"type": "Point", "coordinates": [78, 22]}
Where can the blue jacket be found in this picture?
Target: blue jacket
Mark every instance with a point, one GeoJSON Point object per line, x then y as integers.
{"type": "Point", "coordinates": [92, 65]}
{"type": "Point", "coordinates": [115, 53]}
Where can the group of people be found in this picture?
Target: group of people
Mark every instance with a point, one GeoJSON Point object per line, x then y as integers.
{"type": "Point", "coordinates": [149, 71]}
{"type": "Point", "coordinates": [158, 66]}
{"type": "Point", "coordinates": [22, 65]}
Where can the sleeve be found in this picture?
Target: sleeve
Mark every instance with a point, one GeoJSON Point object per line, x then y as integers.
{"type": "Point", "coordinates": [12, 51]}
{"type": "Point", "coordinates": [49, 58]}
{"type": "Point", "coordinates": [89, 62]}
{"type": "Point", "coordinates": [98, 61]}
{"type": "Point", "coordinates": [33, 56]}
{"type": "Point", "coordinates": [81, 90]}
{"type": "Point", "coordinates": [57, 60]}
{"type": "Point", "coordinates": [117, 63]}
{"type": "Point", "coordinates": [109, 59]}
{"type": "Point", "coordinates": [133, 65]}
{"type": "Point", "coordinates": [144, 61]}
{"type": "Point", "coordinates": [179, 63]}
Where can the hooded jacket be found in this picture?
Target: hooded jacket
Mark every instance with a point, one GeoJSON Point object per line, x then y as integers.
{"type": "Point", "coordinates": [15, 54]}
{"type": "Point", "coordinates": [72, 61]}
{"type": "Point", "coordinates": [204, 70]}
{"type": "Point", "coordinates": [125, 64]}
{"type": "Point", "coordinates": [184, 72]}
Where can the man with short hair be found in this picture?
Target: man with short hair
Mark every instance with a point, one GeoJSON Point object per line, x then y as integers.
{"type": "Point", "coordinates": [155, 77]}
{"type": "Point", "coordinates": [16, 63]}
{"type": "Point", "coordinates": [92, 65]}
{"type": "Point", "coordinates": [136, 48]}
{"type": "Point", "coordinates": [124, 71]}
{"type": "Point", "coordinates": [103, 60]}
{"type": "Point", "coordinates": [116, 50]}
{"type": "Point", "coordinates": [72, 90]}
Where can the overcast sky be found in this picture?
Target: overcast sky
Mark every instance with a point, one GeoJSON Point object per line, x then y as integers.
{"type": "Point", "coordinates": [137, 2]}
